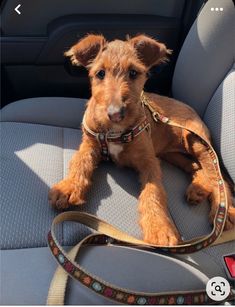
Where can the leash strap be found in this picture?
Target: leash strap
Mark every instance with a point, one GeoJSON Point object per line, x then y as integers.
{"type": "Point", "coordinates": [68, 267]}
{"type": "Point", "coordinates": [109, 234]}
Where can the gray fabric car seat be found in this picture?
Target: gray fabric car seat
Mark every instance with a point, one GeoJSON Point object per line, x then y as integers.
{"type": "Point", "coordinates": [38, 138]}
{"type": "Point", "coordinates": [204, 75]}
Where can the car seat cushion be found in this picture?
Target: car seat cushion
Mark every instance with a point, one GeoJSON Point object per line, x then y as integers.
{"type": "Point", "coordinates": [34, 157]}
{"type": "Point", "coordinates": [136, 270]}
{"type": "Point", "coordinates": [220, 119]}
{"type": "Point", "coordinates": [204, 76]}
{"type": "Point", "coordinates": [37, 156]}
{"type": "Point", "coordinates": [53, 111]}
{"type": "Point", "coordinates": [206, 56]}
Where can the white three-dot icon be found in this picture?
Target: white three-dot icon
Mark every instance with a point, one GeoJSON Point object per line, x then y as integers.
{"type": "Point", "coordinates": [217, 9]}
{"type": "Point", "coordinates": [218, 288]}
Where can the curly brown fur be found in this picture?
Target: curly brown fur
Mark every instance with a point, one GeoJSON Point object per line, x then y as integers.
{"type": "Point", "coordinates": [114, 89]}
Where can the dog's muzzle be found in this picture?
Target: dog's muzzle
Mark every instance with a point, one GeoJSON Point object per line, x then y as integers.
{"type": "Point", "coordinates": [116, 115]}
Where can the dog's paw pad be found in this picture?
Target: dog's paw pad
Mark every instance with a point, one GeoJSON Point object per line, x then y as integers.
{"type": "Point", "coordinates": [196, 194]}
{"type": "Point", "coordinates": [166, 235]}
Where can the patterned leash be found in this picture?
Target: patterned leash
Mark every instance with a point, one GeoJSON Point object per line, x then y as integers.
{"type": "Point", "coordinates": [109, 234]}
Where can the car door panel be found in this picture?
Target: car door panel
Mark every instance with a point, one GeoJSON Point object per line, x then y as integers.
{"type": "Point", "coordinates": [33, 43]}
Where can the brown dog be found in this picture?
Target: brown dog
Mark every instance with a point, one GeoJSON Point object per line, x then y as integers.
{"type": "Point", "coordinates": [116, 124]}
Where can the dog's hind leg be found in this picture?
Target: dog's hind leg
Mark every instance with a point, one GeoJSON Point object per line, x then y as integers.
{"type": "Point", "coordinates": [205, 180]}
{"type": "Point", "coordinates": [196, 192]}
{"type": "Point", "coordinates": [181, 160]}
{"type": "Point", "coordinates": [199, 190]}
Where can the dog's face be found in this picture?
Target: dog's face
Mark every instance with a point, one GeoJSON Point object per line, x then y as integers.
{"type": "Point", "coordinates": [118, 71]}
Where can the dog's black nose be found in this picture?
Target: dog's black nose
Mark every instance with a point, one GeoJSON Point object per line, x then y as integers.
{"type": "Point", "coordinates": [115, 114]}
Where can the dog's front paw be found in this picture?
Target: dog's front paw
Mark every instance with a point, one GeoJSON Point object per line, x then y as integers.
{"type": "Point", "coordinates": [160, 232]}
{"type": "Point", "coordinates": [64, 194]}
{"type": "Point", "coordinates": [196, 194]}
{"type": "Point", "coordinates": [162, 237]}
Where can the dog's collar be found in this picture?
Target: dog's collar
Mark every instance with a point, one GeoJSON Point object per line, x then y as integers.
{"type": "Point", "coordinates": [105, 137]}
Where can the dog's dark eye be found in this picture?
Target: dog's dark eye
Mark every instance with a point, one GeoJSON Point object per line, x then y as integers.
{"type": "Point", "coordinates": [100, 74]}
{"type": "Point", "coordinates": [133, 74]}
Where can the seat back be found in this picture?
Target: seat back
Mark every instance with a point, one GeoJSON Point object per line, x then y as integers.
{"type": "Point", "coordinates": [204, 76]}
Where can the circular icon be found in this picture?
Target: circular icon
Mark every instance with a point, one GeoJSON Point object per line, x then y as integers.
{"type": "Point", "coordinates": [218, 288]}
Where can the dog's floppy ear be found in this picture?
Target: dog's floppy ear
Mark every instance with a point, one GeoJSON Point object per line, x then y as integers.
{"type": "Point", "coordinates": [86, 50]}
{"type": "Point", "coordinates": [149, 51]}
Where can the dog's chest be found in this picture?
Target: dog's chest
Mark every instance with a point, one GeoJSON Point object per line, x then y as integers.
{"type": "Point", "coordinates": [115, 150]}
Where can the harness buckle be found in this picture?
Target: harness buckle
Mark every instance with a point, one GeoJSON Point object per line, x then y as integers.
{"type": "Point", "coordinates": [155, 116]}
{"type": "Point", "coordinates": [127, 137]}
{"type": "Point", "coordinates": [101, 137]}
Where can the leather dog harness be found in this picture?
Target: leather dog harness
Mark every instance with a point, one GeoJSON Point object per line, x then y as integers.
{"type": "Point", "coordinates": [110, 137]}
{"type": "Point", "coordinates": [109, 234]}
